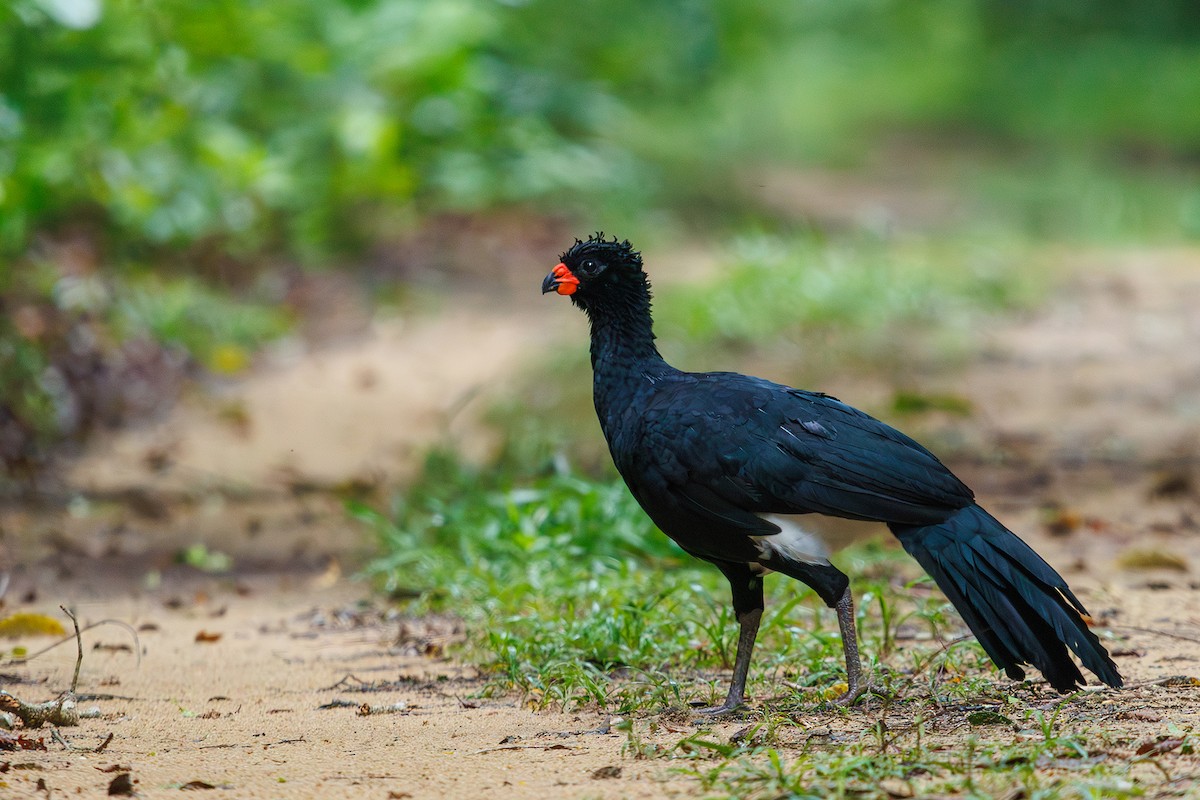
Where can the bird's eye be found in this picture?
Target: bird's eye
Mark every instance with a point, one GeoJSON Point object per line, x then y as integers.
{"type": "Point", "coordinates": [589, 266]}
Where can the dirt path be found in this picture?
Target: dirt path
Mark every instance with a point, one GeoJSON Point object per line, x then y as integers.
{"type": "Point", "coordinates": [252, 683]}
{"type": "Point", "coordinates": [259, 693]}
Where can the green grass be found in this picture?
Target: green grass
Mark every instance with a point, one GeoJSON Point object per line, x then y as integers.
{"type": "Point", "coordinates": [575, 600]}
{"type": "Point", "coordinates": [1022, 747]}
{"type": "Point", "coordinates": [572, 601]}
{"type": "Point", "coordinates": [1065, 198]}
{"type": "Point", "coordinates": [912, 761]}
{"type": "Point", "coordinates": [773, 285]}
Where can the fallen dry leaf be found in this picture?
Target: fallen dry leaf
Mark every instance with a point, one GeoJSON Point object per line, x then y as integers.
{"type": "Point", "coordinates": [1060, 520]}
{"type": "Point", "coordinates": [20, 741]}
{"type": "Point", "coordinates": [207, 637]}
{"type": "Point", "coordinates": [121, 785]}
{"type": "Point", "coordinates": [193, 785]}
{"type": "Point", "coordinates": [1126, 652]}
{"type": "Point", "coordinates": [328, 578]}
{"type": "Point", "coordinates": [1171, 484]}
{"type": "Point", "coordinates": [1178, 680]}
{"type": "Point", "coordinates": [1158, 747]}
{"type": "Point", "coordinates": [25, 623]}
{"type": "Point", "coordinates": [1149, 558]}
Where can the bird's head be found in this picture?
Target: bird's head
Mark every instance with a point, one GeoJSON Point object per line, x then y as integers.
{"type": "Point", "coordinates": [595, 270]}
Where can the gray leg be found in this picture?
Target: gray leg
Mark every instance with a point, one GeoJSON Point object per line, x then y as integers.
{"type": "Point", "coordinates": [855, 686]}
{"type": "Point", "coordinates": [747, 632]}
{"type": "Point", "coordinates": [747, 587]}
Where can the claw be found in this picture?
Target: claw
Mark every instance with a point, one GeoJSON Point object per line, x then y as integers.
{"type": "Point", "coordinates": [721, 710]}
{"type": "Point", "coordinates": [851, 695]}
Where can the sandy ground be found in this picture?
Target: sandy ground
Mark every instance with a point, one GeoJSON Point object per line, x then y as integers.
{"type": "Point", "coordinates": [368, 409]}
{"type": "Point", "coordinates": [253, 682]}
{"type": "Point", "coordinates": [260, 692]}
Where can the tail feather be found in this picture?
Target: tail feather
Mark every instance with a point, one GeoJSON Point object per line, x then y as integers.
{"type": "Point", "coordinates": [1062, 614]}
{"type": "Point", "coordinates": [1019, 608]}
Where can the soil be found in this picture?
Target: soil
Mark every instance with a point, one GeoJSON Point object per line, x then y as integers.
{"type": "Point", "coordinates": [286, 677]}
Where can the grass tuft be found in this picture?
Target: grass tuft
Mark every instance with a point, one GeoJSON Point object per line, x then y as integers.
{"type": "Point", "coordinates": [573, 599]}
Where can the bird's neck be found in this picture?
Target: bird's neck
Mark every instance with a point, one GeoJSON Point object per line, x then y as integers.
{"type": "Point", "coordinates": [625, 362]}
{"type": "Point", "coordinates": [623, 338]}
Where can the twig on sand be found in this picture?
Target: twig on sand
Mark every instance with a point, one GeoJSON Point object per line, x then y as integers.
{"type": "Point", "coordinates": [1156, 632]}
{"type": "Point", "coordinates": [79, 650]}
{"type": "Point", "coordinates": [62, 710]}
{"type": "Point", "coordinates": [137, 644]}
{"type": "Point", "coordinates": [58, 737]}
{"type": "Point", "coordinates": [368, 710]}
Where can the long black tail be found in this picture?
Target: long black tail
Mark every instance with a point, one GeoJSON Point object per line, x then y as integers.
{"type": "Point", "coordinates": [1018, 607]}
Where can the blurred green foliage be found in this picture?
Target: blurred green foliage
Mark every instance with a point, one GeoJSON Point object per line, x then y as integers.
{"type": "Point", "coordinates": [777, 283]}
{"type": "Point", "coordinates": [86, 350]}
{"type": "Point", "coordinates": [219, 333]}
{"type": "Point", "coordinates": [272, 125]}
{"type": "Point", "coordinates": [828, 77]}
{"type": "Point", "coordinates": [302, 126]}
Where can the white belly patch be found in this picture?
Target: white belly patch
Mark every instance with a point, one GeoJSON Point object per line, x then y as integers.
{"type": "Point", "coordinates": [793, 542]}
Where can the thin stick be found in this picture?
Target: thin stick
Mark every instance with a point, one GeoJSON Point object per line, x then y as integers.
{"type": "Point", "coordinates": [1156, 632]}
{"type": "Point", "coordinates": [79, 646]}
{"type": "Point", "coordinates": [132, 632]}
{"type": "Point", "coordinates": [57, 736]}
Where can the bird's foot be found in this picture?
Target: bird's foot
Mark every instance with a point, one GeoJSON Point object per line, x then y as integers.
{"type": "Point", "coordinates": [854, 690]}
{"type": "Point", "coordinates": [850, 697]}
{"type": "Point", "coordinates": [728, 707]}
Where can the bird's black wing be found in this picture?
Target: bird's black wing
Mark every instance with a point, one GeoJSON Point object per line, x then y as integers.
{"type": "Point", "coordinates": [737, 444]}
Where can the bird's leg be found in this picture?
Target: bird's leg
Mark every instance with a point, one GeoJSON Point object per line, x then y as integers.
{"type": "Point", "coordinates": [855, 686]}
{"type": "Point", "coordinates": [747, 632]}
{"type": "Point", "coordinates": [747, 588]}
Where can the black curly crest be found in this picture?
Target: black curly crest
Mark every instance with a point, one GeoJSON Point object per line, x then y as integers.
{"type": "Point", "coordinates": [615, 251]}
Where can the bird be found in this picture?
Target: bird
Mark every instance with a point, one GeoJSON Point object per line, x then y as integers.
{"type": "Point", "coordinates": [725, 463]}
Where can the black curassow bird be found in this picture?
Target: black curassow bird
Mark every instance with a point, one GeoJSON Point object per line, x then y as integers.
{"type": "Point", "coordinates": [718, 460]}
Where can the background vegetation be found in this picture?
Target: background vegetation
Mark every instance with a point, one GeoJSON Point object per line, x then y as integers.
{"type": "Point", "coordinates": [179, 150]}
